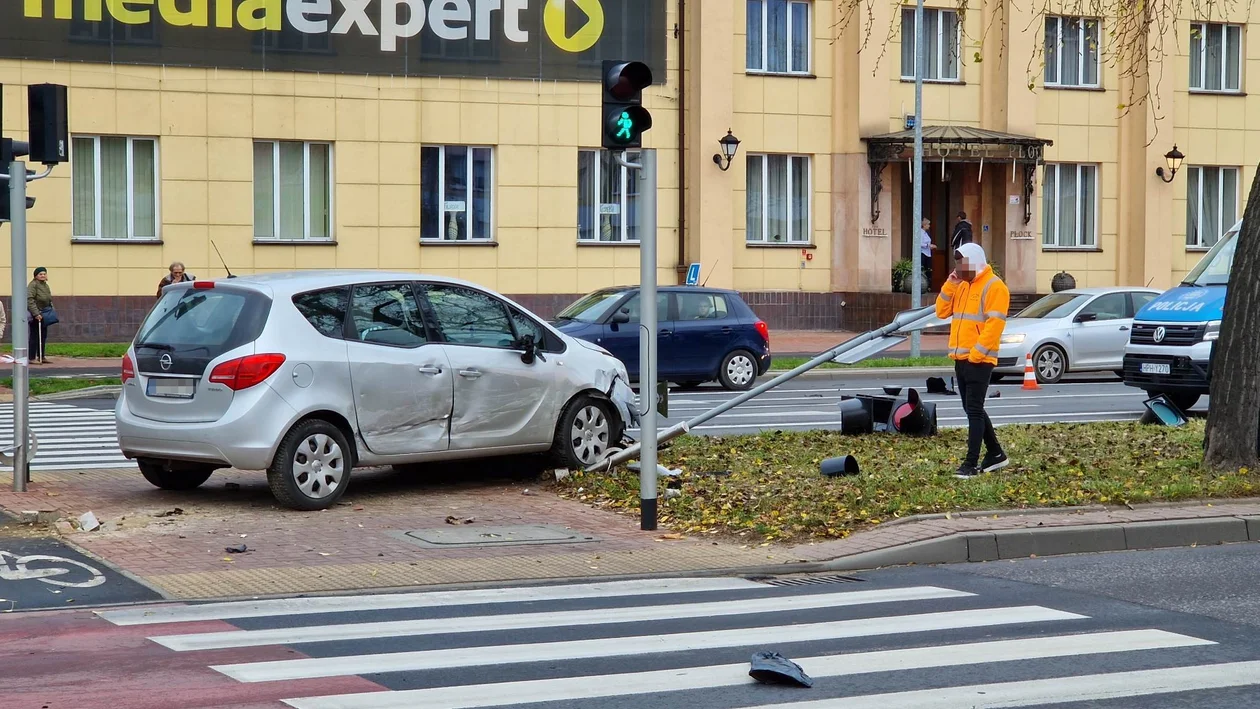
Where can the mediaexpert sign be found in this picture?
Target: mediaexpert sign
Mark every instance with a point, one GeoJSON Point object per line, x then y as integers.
{"type": "Point", "coordinates": [507, 39]}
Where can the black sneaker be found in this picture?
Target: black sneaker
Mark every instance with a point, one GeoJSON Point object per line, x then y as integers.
{"type": "Point", "coordinates": [994, 462]}
{"type": "Point", "coordinates": [967, 472]}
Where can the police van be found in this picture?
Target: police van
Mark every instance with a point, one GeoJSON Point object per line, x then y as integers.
{"type": "Point", "coordinates": [1170, 346]}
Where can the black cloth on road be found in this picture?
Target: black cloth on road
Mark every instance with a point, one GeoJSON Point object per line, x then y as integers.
{"type": "Point", "coordinates": [973, 387]}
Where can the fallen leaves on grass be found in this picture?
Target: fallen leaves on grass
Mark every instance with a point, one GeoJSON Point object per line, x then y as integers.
{"type": "Point", "coordinates": [775, 492]}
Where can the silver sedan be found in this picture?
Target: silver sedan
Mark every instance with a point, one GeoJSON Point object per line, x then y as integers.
{"type": "Point", "coordinates": [1079, 330]}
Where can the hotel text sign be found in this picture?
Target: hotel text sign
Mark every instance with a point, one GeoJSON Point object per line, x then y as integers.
{"type": "Point", "coordinates": [520, 39]}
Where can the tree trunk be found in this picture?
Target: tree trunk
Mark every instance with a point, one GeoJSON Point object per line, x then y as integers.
{"type": "Point", "coordinates": [1234, 414]}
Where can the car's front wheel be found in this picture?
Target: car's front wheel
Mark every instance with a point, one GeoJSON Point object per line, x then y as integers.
{"type": "Point", "coordinates": [312, 466]}
{"type": "Point", "coordinates": [169, 477]}
{"type": "Point", "coordinates": [585, 432]}
{"type": "Point", "coordinates": [1050, 364]}
{"type": "Point", "coordinates": [738, 371]}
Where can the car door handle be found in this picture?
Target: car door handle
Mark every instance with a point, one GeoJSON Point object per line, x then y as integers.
{"type": "Point", "coordinates": [1124, 328]}
{"type": "Point", "coordinates": [666, 332]}
{"type": "Point", "coordinates": [430, 369]}
{"type": "Point", "coordinates": [726, 330]}
{"type": "Point", "coordinates": [469, 373]}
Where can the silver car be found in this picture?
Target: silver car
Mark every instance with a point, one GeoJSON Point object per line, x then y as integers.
{"type": "Point", "coordinates": [308, 375]}
{"type": "Point", "coordinates": [1079, 330]}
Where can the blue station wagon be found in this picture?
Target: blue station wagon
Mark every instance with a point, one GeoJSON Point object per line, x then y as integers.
{"type": "Point", "coordinates": [706, 334]}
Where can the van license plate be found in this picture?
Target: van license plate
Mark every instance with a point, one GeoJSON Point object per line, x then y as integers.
{"type": "Point", "coordinates": [172, 388]}
{"type": "Point", "coordinates": [1156, 368]}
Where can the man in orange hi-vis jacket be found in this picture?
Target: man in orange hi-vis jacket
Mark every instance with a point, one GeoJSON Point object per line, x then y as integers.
{"type": "Point", "coordinates": [975, 302]}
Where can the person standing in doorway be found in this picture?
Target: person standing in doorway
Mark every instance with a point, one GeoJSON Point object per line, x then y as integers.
{"type": "Point", "coordinates": [41, 314]}
{"type": "Point", "coordinates": [177, 274]}
{"type": "Point", "coordinates": [926, 247]}
{"type": "Point", "coordinates": [963, 233]}
{"type": "Point", "coordinates": [975, 301]}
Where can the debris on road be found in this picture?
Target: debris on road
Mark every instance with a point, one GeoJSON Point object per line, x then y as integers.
{"type": "Point", "coordinates": [561, 473]}
{"type": "Point", "coordinates": [773, 668]}
{"type": "Point", "coordinates": [460, 520]}
{"type": "Point", "coordinates": [237, 549]}
{"type": "Point", "coordinates": [88, 522]}
{"type": "Point", "coordinates": [171, 513]}
{"type": "Point", "coordinates": [231, 486]}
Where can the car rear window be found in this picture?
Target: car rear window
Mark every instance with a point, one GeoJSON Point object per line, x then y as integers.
{"type": "Point", "coordinates": [195, 326]}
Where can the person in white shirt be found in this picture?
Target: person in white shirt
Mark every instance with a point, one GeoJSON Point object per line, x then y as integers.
{"type": "Point", "coordinates": [926, 247]}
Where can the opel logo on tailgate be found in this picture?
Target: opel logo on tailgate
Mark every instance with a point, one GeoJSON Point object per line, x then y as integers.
{"type": "Point", "coordinates": [166, 361]}
{"type": "Point", "coordinates": [1160, 334]}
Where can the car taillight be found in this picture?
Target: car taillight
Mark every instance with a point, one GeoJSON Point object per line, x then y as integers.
{"type": "Point", "coordinates": [128, 370]}
{"type": "Point", "coordinates": [764, 330]}
{"type": "Point", "coordinates": [246, 372]}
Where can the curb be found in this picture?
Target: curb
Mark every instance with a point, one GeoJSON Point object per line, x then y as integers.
{"type": "Point", "coordinates": [1055, 541]}
{"type": "Point", "coordinates": [861, 373]}
{"type": "Point", "coordinates": [104, 391]}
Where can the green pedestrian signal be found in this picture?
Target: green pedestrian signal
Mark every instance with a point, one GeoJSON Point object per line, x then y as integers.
{"type": "Point", "coordinates": [625, 118]}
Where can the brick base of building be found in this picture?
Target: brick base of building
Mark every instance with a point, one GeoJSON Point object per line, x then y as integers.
{"type": "Point", "coordinates": [88, 318]}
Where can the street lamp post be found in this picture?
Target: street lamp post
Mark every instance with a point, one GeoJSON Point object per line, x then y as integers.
{"type": "Point", "coordinates": [916, 285]}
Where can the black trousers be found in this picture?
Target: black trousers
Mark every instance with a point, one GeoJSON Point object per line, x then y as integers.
{"type": "Point", "coordinates": [38, 334]}
{"type": "Point", "coordinates": [973, 388]}
{"type": "Point", "coordinates": [925, 262]}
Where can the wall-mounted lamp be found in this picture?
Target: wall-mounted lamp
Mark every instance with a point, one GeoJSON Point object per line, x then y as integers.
{"type": "Point", "coordinates": [1174, 158]}
{"type": "Point", "coordinates": [730, 146]}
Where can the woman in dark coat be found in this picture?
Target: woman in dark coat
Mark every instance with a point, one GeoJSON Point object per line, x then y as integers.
{"type": "Point", "coordinates": [39, 304]}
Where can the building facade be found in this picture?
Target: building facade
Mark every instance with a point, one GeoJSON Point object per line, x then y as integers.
{"type": "Point", "coordinates": [461, 137]}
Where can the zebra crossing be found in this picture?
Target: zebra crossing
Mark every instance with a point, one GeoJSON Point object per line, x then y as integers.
{"type": "Point", "coordinates": [68, 437]}
{"type": "Point", "coordinates": [687, 642]}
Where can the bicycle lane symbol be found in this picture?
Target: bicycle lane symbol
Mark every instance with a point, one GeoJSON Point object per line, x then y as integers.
{"type": "Point", "coordinates": [48, 569]}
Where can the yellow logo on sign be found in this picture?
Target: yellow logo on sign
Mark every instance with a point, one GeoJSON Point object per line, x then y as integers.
{"type": "Point", "coordinates": [556, 17]}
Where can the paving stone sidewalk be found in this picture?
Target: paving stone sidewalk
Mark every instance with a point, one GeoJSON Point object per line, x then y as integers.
{"type": "Point", "coordinates": [355, 546]}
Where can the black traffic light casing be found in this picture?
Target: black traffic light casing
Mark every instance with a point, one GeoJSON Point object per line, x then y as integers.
{"type": "Point", "coordinates": [623, 115]}
{"type": "Point", "coordinates": [10, 149]}
{"type": "Point", "coordinates": [49, 126]}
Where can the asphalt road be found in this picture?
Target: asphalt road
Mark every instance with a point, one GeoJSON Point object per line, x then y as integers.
{"type": "Point", "coordinates": [811, 403]}
{"type": "Point", "coordinates": [1062, 632]}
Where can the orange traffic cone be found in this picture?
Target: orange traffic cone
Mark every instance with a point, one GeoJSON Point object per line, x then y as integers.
{"type": "Point", "coordinates": [1030, 377]}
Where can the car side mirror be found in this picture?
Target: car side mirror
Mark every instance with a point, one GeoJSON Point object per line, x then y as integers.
{"type": "Point", "coordinates": [621, 317]}
{"type": "Point", "coordinates": [1087, 317]}
{"type": "Point", "coordinates": [529, 349]}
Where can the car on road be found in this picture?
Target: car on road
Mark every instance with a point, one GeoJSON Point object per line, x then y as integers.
{"type": "Point", "coordinates": [309, 375]}
{"type": "Point", "coordinates": [705, 334]}
{"type": "Point", "coordinates": [1170, 348]}
{"type": "Point", "coordinates": [1077, 330]}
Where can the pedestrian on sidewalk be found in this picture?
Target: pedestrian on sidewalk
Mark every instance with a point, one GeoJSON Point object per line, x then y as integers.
{"type": "Point", "coordinates": [176, 274]}
{"type": "Point", "coordinates": [963, 233]}
{"type": "Point", "coordinates": [975, 301]}
{"type": "Point", "coordinates": [40, 314]}
{"type": "Point", "coordinates": [926, 247]}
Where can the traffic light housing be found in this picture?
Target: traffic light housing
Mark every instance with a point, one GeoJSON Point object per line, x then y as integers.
{"type": "Point", "coordinates": [625, 120]}
{"type": "Point", "coordinates": [10, 149]}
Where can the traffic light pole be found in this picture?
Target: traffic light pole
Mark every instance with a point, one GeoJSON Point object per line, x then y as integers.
{"type": "Point", "coordinates": [646, 168]}
{"type": "Point", "coordinates": [21, 368]}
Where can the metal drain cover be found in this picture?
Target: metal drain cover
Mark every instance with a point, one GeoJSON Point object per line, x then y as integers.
{"type": "Point", "coordinates": [809, 580]}
{"type": "Point", "coordinates": [519, 535]}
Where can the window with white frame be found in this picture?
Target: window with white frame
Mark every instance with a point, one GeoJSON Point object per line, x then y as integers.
{"type": "Point", "coordinates": [1215, 57]}
{"type": "Point", "coordinates": [114, 187]}
{"type": "Point", "coordinates": [456, 186]}
{"type": "Point", "coordinates": [1211, 204]}
{"type": "Point", "coordinates": [292, 190]}
{"type": "Point", "coordinates": [1071, 51]}
{"type": "Point", "coordinates": [780, 199]}
{"type": "Point", "coordinates": [779, 35]}
{"type": "Point", "coordinates": [1069, 200]}
{"type": "Point", "coordinates": [942, 36]}
{"type": "Point", "coordinates": [608, 198]}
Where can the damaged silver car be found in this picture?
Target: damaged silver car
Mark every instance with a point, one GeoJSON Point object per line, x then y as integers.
{"type": "Point", "coordinates": [310, 375]}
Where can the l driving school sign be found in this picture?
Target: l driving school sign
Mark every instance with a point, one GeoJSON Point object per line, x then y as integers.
{"type": "Point", "coordinates": [527, 39]}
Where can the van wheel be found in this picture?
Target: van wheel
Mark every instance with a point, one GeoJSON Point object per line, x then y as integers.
{"type": "Point", "coordinates": [738, 371]}
{"type": "Point", "coordinates": [312, 466]}
{"type": "Point", "coordinates": [1181, 400]}
{"type": "Point", "coordinates": [584, 433]}
{"type": "Point", "coordinates": [157, 473]}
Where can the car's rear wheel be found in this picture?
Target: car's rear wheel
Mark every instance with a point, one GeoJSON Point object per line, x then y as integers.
{"type": "Point", "coordinates": [162, 474]}
{"type": "Point", "coordinates": [1050, 364]}
{"type": "Point", "coordinates": [312, 466]}
{"type": "Point", "coordinates": [738, 371]}
{"type": "Point", "coordinates": [585, 432]}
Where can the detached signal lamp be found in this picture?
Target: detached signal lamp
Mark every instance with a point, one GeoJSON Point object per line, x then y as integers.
{"type": "Point", "coordinates": [912, 416]}
{"type": "Point", "coordinates": [1159, 410]}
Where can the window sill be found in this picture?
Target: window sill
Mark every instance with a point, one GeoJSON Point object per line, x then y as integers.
{"type": "Point", "coordinates": [1071, 249]}
{"type": "Point", "coordinates": [138, 242]}
{"type": "Point", "coordinates": [608, 244]}
{"type": "Point", "coordinates": [947, 82]}
{"type": "Point", "coordinates": [1216, 92]}
{"type": "Point", "coordinates": [1198, 249]}
{"type": "Point", "coordinates": [295, 242]}
{"type": "Point", "coordinates": [467, 242]}
{"type": "Point", "coordinates": [774, 245]}
{"type": "Point", "coordinates": [782, 74]}
{"type": "Point", "coordinates": [1070, 87]}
